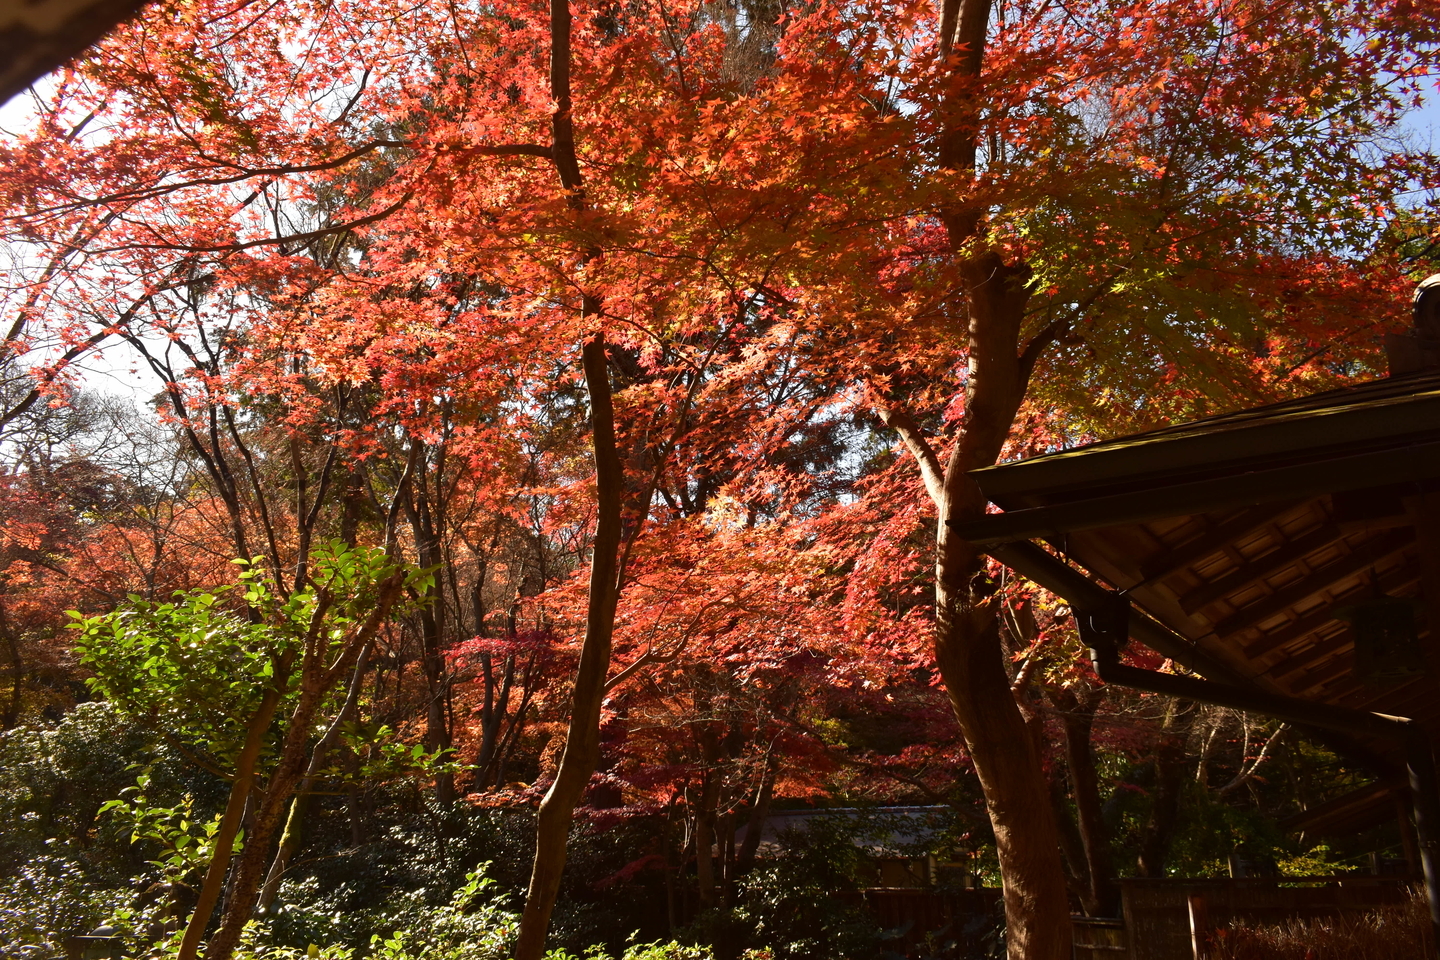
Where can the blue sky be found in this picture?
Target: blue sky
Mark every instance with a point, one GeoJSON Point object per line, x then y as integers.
{"type": "Point", "coordinates": [1427, 118]}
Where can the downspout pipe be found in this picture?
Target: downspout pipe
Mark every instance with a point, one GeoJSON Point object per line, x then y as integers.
{"type": "Point", "coordinates": [1105, 628]}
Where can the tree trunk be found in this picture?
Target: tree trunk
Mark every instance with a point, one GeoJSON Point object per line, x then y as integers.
{"type": "Point", "coordinates": [426, 526]}
{"type": "Point", "coordinates": [255, 854]}
{"type": "Point", "coordinates": [317, 680]}
{"type": "Point", "coordinates": [289, 845]}
{"type": "Point", "coordinates": [582, 741]}
{"type": "Point", "coordinates": [214, 880]}
{"type": "Point", "coordinates": [17, 673]}
{"type": "Point", "coordinates": [1078, 717]}
{"type": "Point", "coordinates": [967, 649]}
{"type": "Point", "coordinates": [745, 858]}
{"type": "Point", "coordinates": [300, 805]}
{"type": "Point", "coordinates": [1170, 770]}
{"type": "Point", "coordinates": [706, 820]}
{"type": "Point", "coordinates": [967, 640]}
{"type": "Point", "coordinates": [1072, 848]}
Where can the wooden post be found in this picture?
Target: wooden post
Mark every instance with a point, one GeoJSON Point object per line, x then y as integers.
{"type": "Point", "coordinates": [1419, 756]}
{"type": "Point", "coordinates": [1420, 761]}
{"type": "Point", "coordinates": [1199, 926]}
{"type": "Point", "coordinates": [1407, 836]}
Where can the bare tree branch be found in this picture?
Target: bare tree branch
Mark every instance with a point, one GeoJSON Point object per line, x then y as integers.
{"type": "Point", "coordinates": [930, 469]}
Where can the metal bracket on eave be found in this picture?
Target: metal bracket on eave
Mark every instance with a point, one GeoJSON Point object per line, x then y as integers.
{"type": "Point", "coordinates": [1063, 580]}
{"type": "Point", "coordinates": [1396, 465]}
{"type": "Point", "coordinates": [1083, 594]}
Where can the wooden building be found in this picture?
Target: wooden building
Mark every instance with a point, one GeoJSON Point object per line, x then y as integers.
{"type": "Point", "coordinates": [1287, 556]}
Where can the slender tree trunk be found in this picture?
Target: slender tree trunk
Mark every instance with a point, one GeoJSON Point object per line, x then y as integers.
{"type": "Point", "coordinates": [214, 880]}
{"type": "Point", "coordinates": [318, 678]}
{"type": "Point", "coordinates": [427, 529]}
{"type": "Point", "coordinates": [289, 845]}
{"type": "Point", "coordinates": [582, 741]}
{"type": "Point", "coordinates": [17, 673]}
{"type": "Point", "coordinates": [745, 858]}
{"type": "Point", "coordinates": [706, 836]}
{"type": "Point", "coordinates": [1077, 719]}
{"type": "Point", "coordinates": [255, 854]}
{"type": "Point", "coordinates": [1170, 772]}
{"type": "Point", "coordinates": [300, 804]}
{"type": "Point", "coordinates": [1072, 848]}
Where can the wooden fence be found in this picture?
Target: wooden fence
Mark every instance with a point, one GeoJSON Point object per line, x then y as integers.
{"type": "Point", "coordinates": [1159, 915]}
{"type": "Point", "coordinates": [1163, 917]}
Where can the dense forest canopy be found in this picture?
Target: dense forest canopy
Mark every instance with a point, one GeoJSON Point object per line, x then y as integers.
{"type": "Point", "coordinates": [555, 416]}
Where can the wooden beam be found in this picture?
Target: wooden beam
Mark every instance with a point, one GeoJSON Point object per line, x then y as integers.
{"type": "Point", "coordinates": [1417, 689]}
{"type": "Point", "coordinates": [1210, 541]}
{"type": "Point", "coordinates": [1366, 554]}
{"type": "Point", "coordinates": [1261, 567]}
{"type": "Point", "coordinates": [1077, 589]}
{"type": "Point", "coordinates": [1379, 796]}
{"type": "Point", "coordinates": [1397, 465]}
{"type": "Point", "coordinates": [1389, 412]}
{"type": "Point", "coordinates": [1392, 582]}
{"type": "Point", "coordinates": [1309, 656]}
{"type": "Point", "coordinates": [1322, 673]}
{"type": "Point", "coordinates": [1294, 630]}
{"type": "Point", "coordinates": [1360, 697]}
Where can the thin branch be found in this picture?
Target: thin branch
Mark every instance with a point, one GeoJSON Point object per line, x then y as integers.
{"type": "Point", "coordinates": [1246, 773]}
{"type": "Point", "coordinates": [930, 469]}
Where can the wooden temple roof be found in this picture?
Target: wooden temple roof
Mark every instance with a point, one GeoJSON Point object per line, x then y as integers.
{"type": "Point", "coordinates": [1245, 534]}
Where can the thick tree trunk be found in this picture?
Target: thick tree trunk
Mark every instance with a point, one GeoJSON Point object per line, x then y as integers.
{"type": "Point", "coordinates": [967, 641]}
{"type": "Point", "coordinates": [967, 650]}
{"type": "Point", "coordinates": [582, 741]}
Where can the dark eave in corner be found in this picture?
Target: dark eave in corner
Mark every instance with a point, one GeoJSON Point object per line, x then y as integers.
{"type": "Point", "coordinates": [1381, 414]}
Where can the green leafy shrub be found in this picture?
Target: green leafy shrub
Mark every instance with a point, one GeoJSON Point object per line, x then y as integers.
{"type": "Point", "coordinates": [66, 864]}
{"type": "Point", "coordinates": [54, 784]}
{"type": "Point", "coordinates": [672, 950]}
{"type": "Point", "coordinates": [474, 924]}
{"type": "Point", "coordinates": [49, 899]}
{"type": "Point", "coordinates": [789, 905]}
{"type": "Point", "coordinates": [345, 893]}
